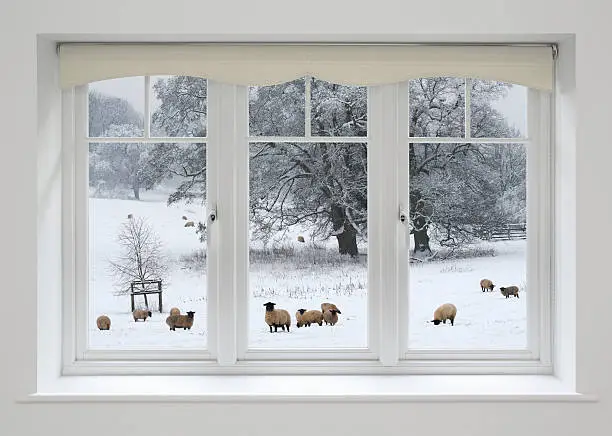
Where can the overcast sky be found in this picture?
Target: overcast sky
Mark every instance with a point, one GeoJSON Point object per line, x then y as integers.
{"type": "Point", "coordinates": [513, 107]}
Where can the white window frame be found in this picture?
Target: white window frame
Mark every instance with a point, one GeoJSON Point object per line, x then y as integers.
{"type": "Point", "coordinates": [227, 183]}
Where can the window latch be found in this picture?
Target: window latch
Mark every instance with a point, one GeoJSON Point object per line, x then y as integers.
{"type": "Point", "coordinates": [212, 216]}
{"type": "Point", "coordinates": [403, 215]}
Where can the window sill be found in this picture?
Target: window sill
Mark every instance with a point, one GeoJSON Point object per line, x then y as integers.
{"type": "Point", "coordinates": [337, 388]}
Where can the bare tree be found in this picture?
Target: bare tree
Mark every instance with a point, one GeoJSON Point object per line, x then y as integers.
{"type": "Point", "coordinates": [141, 257]}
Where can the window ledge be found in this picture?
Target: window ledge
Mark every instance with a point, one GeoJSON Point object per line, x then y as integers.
{"type": "Point", "coordinates": [337, 388]}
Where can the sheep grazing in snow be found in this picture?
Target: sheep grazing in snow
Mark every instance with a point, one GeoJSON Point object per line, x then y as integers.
{"type": "Point", "coordinates": [312, 317]}
{"type": "Point", "coordinates": [445, 312]}
{"type": "Point", "coordinates": [486, 284]}
{"type": "Point", "coordinates": [141, 314]}
{"type": "Point", "coordinates": [331, 316]}
{"type": "Point", "coordinates": [103, 322]}
{"type": "Point", "coordinates": [510, 290]}
{"type": "Point", "coordinates": [328, 306]}
{"type": "Point", "coordinates": [298, 317]}
{"type": "Point", "coordinates": [189, 224]}
{"type": "Point", "coordinates": [181, 321]}
{"type": "Point", "coordinates": [175, 311]}
{"type": "Point", "coordinates": [276, 317]}
{"type": "Point", "coordinates": [300, 239]}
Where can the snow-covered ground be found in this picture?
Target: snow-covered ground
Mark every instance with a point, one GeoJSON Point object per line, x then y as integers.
{"type": "Point", "coordinates": [300, 276]}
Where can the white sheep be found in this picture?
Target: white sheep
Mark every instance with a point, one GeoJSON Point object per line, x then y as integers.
{"type": "Point", "coordinates": [311, 317]}
{"type": "Point", "coordinates": [486, 284]}
{"type": "Point", "coordinates": [445, 312]}
{"type": "Point", "coordinates": [103, 322]}
{"type": "Point", "coordinates": [277, 317]}
{"type": "Point", "coordinates": [331, 316]}
{"type": "Point", "coordinates": [181, 321]}
{"type": "Point", "coordinates": [141, 314]}
{"type": "Point", "coordinates": [328, 306]}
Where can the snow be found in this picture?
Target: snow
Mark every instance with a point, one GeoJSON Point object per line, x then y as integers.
{"type": "Point", "coordinates": [300, 275]}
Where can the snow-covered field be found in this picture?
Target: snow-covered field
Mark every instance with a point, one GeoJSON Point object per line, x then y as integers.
{"type": "Point", "coordinates": [300, 276]}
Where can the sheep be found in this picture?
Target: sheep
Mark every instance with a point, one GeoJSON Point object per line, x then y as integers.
{"type": "Point", "coordinates": [189, 224]}
{"type": "Point", "coordinates": [103, 322]}
{"type": "Point", "coordinates": [486, 284]}
{"type": "Point", "coordinates": [327, 306]}
{"type": "Point", "coordinates": [277, 317]}
{"type": "Point", "coordinates": [300, 238]}
{"type": "Point", "coordinates": [175, 311]}
{"type": "Point", "coordinates": [181, 321]}
{"type": "Point", "coordinates": [444, 312]}
{"type": "Point", "coordinates": [298, 317]}
{"type": "Point", "coordinates": [510, 290]}
{"type": "Point", "coordinates": [312, 316]}
{"type": "Point", "coordinates": [331, 316]}
{"type": "Point", "coordinates": [141, 314]}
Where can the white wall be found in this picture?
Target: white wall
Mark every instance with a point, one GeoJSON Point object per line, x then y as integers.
{"type": "Point", "coordinates": [21, 22]}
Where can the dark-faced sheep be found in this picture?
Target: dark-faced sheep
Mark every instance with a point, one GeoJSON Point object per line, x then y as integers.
{"type": "Point", "coordinates": [277, 317]}
{"type": "Point", "coordinates": [189, 224]}
{"type": "Point", "coordinates": [312, 317]}
{"type": "Point", "coordinates": [510, 290]}
{"type": "Point", "coordinates": [181, 321]}
{"type": "Point", "coordinates": [445, 312]}
{"type": "Point", "coordinates": [328, 306]}
{"type": "Point", "coordinates": [486, 284]}
{"type": "Point", "coordinates": [330, 316]}
{"type": "Point", "coordinates": [103, 322]}
{"type": "Point", "coordinates": [300, 239]}
{"type": "Point", "coordinates": [141, 314]}
{"type": "Point", "coordinates": [298, 317]}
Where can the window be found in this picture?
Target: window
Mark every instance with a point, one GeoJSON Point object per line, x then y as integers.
{"type": "Point", "coordinates": [228, 199]}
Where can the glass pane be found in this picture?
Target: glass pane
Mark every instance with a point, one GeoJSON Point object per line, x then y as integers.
{"type": "Point", "coordinates": [277, 110]}
{"type": "Point", "coordinates": [308, 243]}
{"type": "Point", "coordinates": [499, 110]}
{"type": "Point", "coordinates": [116, 108]}
{"type": "Point", "coordinates": [437, 107]}
{"type": "Point", "coordinates": [468, 223]}
{"type": "Point", "coordinates": [178, 106]}
{"type": "Point", "coordinates": [338, 110]}
{"type": "Point", "coordinates": [146, 223]}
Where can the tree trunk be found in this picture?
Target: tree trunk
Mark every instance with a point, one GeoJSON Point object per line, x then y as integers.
{"type": "Point", "coordinates": [421, 238]}
{"type": "Point", "coordinates": [136, 189]}
{"type": "Point", "coordinates": [345, 232]}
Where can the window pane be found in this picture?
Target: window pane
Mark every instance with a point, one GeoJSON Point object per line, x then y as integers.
{"type": "Point", "coordinates": [468, 223]}
{"type": "Point", "coordinates": [308, 242]}
{"type": "Point", "coordinates": [116, 108]}
{"type": "Point", "coordinates": [178, 106]}
{"type": "Point", "coordinates": [277, 110]}
{"type": "Point", "coordinates": [146, 215]}
{"type": "Point", "coordinates": [499, 110]}
{"type": "Point", "coordinates": [437, 107]}
{"type": "Point", "coordinates": [338, 110]}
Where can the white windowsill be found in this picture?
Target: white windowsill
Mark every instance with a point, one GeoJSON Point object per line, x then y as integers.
{"type": "Point", "coordinates": [336, 388]}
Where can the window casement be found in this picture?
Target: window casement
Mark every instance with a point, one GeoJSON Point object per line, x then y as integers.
{"type": "Point", "coordinates": [261, 171]}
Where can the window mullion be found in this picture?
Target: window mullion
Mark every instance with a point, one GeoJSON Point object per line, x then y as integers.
{"type": "Point", "coordinates": [229, 235]}
{"type": "Point", "coordinates": [386, 131]}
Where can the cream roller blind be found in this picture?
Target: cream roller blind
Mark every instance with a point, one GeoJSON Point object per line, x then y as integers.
{"type": "Point", "coordinates": [265, 64]}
